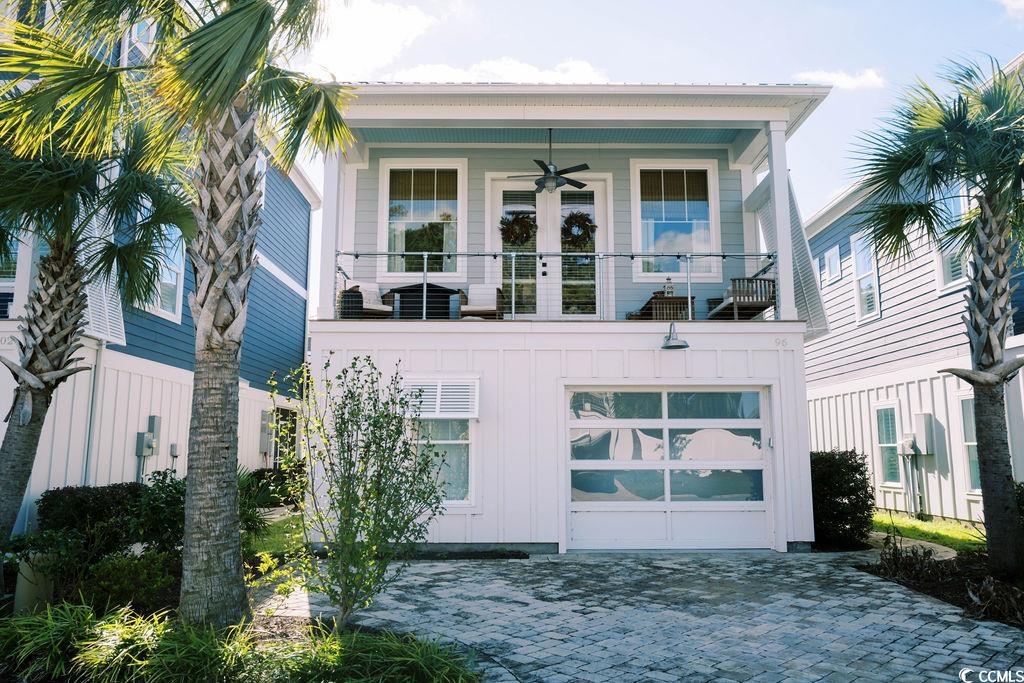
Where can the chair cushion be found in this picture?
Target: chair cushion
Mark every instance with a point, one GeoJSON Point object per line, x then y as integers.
{"type": "Point", "coordinates": [369, 290]}
{"type": "Point", "coordinates": [482, 297]}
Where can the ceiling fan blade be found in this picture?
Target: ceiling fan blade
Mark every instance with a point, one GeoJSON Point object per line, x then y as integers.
{"type": "Point", "coordinates": [575, 183]}
{"type": "Point", "coordinates": [543, 166]}
{"type": "Point", "coordinates": [540, 189]}
{"type": "Point", "coordinates": [528, 175]}
{"type": "Point", "coordinates": [573, 169]}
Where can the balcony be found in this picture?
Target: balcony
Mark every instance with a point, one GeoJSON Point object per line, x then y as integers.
{"type": "Point", "coordinates": [524, 285]}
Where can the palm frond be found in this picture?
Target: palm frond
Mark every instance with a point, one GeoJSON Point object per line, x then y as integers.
{"type": "Point", "coordinates": [66, 94]}
{"type": "Point", "coordinates": [212, 65]}
{"type": "Point", "coordinates": [302, 110]}
{"type": "Point", "coordinates": [299, 22]}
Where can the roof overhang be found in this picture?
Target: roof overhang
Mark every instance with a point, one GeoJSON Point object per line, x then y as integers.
{"type": "Point", "coordinates": [841, 204]}
{"type": "Point", "coordinates": [743, 108]}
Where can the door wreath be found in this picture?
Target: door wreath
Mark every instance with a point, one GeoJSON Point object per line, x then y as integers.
{"type": "Point", "coordinates": [517, 228]}
{"type": "Point", "coordinates": [578, 230]}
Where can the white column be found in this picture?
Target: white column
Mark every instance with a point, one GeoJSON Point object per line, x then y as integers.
{"type": "Point", "coordinates": [23, 274]}
{"type": "Point", "coordinates": [330, 232]}
{"type": "Point", "coordinates": [783, 230]}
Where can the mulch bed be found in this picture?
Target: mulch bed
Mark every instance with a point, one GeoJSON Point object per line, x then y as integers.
{"type": "Point", "coordinates": [955, 580]}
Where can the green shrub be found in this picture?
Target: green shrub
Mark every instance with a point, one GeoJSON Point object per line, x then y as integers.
{"type": "Point", "coordinates": [284, 486]}
{"type": "Point", "coordinates": [97, 513]}
{"type": "Point", "coordinates": [161, 515]}
{"type": "Point", "coordinates": [42, 646]}
{"type": "Point", "coordinates": [843, 498]}
{"type": "Point", "coordinates": [149, 582]}
{"type": "Point", "coordinates": [68, 642]}
{"type": "Point", "coordinates": [1020, 500]}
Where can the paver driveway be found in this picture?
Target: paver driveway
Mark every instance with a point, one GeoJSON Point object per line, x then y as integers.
{"type": "Point", "coordinates": [723, 616]}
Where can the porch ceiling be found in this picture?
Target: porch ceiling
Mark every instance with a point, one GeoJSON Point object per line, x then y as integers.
{"type": "Point", "coordinates": [539, 136]}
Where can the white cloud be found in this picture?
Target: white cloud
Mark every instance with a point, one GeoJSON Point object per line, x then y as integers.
{"type": "Point", "coordinates": [505, 70]}
{"type": "Point", "coordinates": [864, 80]}
{"type": "Point", "coordinates": [1015, 8]}
{"type": "Point", "coordinates": [365, 36]}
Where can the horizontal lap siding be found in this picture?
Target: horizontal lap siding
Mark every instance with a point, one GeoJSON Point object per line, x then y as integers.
{"type": "Point", "coordinates": [629, 295]}
{"type": "Point", "coordinates": [275, 330]}
{"type": "Point", "coordinates": [284, 235]}
{"type": "Point", "coordinates": [918, 323]}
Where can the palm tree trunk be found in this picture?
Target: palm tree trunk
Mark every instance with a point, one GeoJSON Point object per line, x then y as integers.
{"type": "Point", "coordinates": [230, 196]}
{"type": "Point", "coordinates": [989, 320]}
{"type": "Point", "coordinates": [49, 336]}
{"type": "Point", "coordinates": [1003, 529]}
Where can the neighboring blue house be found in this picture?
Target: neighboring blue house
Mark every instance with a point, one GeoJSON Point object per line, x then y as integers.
{"type": "Point", "coordinates": [873, 382]}
{"type": "Point", "coordinates": [142, 359]}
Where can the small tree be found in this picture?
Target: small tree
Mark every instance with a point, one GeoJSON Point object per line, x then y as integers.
{"type": "Point", "coordinates": [371, 484]}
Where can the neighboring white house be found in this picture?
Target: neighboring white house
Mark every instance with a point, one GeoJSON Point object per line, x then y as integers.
{"type": "Point", "coordinates": [873, 382]}
{"type": "Point", "coordinates": [574, 420]}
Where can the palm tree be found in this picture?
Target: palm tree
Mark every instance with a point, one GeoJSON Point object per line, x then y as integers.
{"type": "Point", "coordinates": [95, 220]}
{"type": "Point", "coordinates": [939, 149]}
{"type": "Point", "coordinates": [213, 74]}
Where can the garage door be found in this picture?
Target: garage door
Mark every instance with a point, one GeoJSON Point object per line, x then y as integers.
{"type": "Point", "coordinates": [668, 468]}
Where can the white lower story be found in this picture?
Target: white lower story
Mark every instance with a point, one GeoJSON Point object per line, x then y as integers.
{"type": "Point", "coordinates": [587, 435]}
{"type": "Point", "coordinates": [935, 409]}
{"type": "Point", "coordinates": [89, 437]}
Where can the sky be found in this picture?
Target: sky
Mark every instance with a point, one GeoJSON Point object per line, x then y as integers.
{"type": "Point", "coordinates": [868, 50]}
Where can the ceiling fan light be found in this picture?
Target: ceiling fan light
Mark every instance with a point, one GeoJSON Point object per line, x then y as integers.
{"type": "Point", "coordinates": [550, 183]}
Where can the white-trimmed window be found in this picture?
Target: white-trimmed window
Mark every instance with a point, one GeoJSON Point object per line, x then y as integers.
{"type": "Point", "coordinates": [450, 439]}
{"type": "Point", "coordinates": [970, 442]}
{"type": "Point", "coordinates": [171, 283]}
{"type": "Point", "coordinates": [830, 266]}
{"type": "Point", "coordinates": [675, 211]}
{"type": "Point", "coordinates": [8, 274]}
{"type": "Point", "coordinates": [951, 263]}
{"type": "Point", "coordinates": [865, 277]}
{"type": "Point", "coordinates": [887, 433]}
{"type": "Point", "coordinates": [422, 209]}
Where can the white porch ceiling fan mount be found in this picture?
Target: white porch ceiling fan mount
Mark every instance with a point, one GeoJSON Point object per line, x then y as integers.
{"type": "Point", "coordinates": [552, 178]}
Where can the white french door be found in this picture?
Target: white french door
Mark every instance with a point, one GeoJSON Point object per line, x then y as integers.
{"type": "Point", "coordinates": [563, 281]}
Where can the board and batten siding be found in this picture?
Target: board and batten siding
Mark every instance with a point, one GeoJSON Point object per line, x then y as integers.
{"type": "Point", "coordinates": [629, 296]}
{"type": "Point", "coordinates": [920, 320]}
{"type": "Point", "coordinates": [128, 390]}
{"type": "Point", "coordinates": [519, 444]}
{"type": "Point", "coordinates": [274, 339]}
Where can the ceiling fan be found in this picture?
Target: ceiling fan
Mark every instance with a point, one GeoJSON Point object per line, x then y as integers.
{"type": "Point", "coordinates": [553, 178]}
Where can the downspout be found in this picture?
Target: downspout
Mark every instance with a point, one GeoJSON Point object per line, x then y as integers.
{"type": "Point", "coordinates": [94, 391]}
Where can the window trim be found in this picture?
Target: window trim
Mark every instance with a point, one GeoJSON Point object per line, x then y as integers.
{"type": "Point", "coordinates": [944, 286]}
{"type": "Point", "coordinates": [824, 276]}
{"type": "Point", "coordinates": [461, 166]}
{"type": "Point", "coordinates": [714, 207]}
{"type": "Point", "coordinates": [969, 486]}
{"type": "Point", "coordinates": [154, 307]}
{"type": "Point", "coordinates": [893, 405]}
{"type": "Point", "coordinates": [470, 504]}
{"type": "Point", "coordinates": [857, 277]}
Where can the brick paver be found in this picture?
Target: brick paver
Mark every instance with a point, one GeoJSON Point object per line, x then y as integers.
{"type": "Point", "coordinates": [694, 617]}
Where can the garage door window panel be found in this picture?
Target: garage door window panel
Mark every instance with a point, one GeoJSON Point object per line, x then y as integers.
{"type": "Point", "coordinates": [714, 405]}
{"type": "Point", "coordinates": [715, 444]}
{"type": "Point", "coordinates": [716, 485]}
{"type": "Point", "coordinates": [604, 405]}
{"type": "Point", "coordinates": [618, 485]}
{"type": "Point", "coordinates": [617, 444]}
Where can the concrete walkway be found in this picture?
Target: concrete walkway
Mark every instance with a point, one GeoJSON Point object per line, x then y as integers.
{"type": "Point", "coordinates": [672, 617]}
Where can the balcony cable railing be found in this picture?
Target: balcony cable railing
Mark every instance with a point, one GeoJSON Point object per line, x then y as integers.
{"type": "Point", "coordinates": [756, 284]}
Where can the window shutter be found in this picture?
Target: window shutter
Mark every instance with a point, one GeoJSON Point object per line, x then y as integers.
{"type": "Point", "coordinates": [446, 398]}
{"type": "Point", "coordinates": [104, 317]}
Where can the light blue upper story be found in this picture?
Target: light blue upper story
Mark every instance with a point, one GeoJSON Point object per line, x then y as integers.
{"type": "Point", "coordinates": [883, 315]}
{"type": "Point", "coordinates": [274, 339]}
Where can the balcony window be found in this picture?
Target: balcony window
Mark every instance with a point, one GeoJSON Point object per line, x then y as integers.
{"type": "Point", "coordinates": [675, 212]}
{"type": "Point", "coordinates": [422, 208]}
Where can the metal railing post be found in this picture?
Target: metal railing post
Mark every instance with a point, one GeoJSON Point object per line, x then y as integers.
{"type": "Point", "coordinates": [598, 289]}
{"type": "Point", "coordinates": [424, 285]}
{"type": "Point", "coordinates": [689, 287]}
{"type": "Point", "coordinates": [513, 285]}
{"type": "Point", "coordinates": [775, 267]}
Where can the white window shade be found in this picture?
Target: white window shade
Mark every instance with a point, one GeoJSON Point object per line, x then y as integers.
{"type": "Point", "coordinates": [104, 317]}
{"type": "Point", "coordinates": [445, 398]}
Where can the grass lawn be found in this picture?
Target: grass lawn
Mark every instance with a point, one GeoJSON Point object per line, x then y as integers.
{"type": "Point", "coordinates": [283, 535]}
{"type": "Point", "coordinates": [951, 534]}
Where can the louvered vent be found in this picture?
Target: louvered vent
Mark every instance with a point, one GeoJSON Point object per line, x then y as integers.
{"type": "Point", "coordinates": [104, 317]}
{"type": "Point", "coordinates": [445, 398]}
